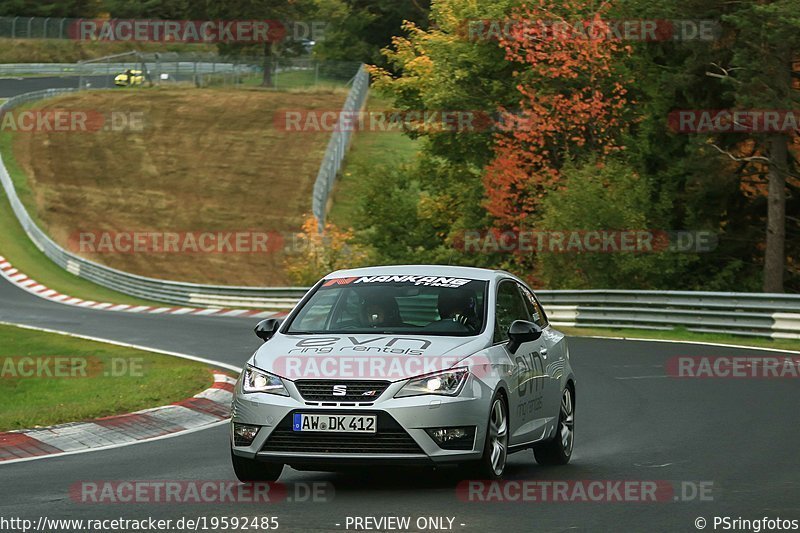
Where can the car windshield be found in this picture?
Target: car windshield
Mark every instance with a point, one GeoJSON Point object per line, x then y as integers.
{"type": "Point", "coordinates": [394, 304]}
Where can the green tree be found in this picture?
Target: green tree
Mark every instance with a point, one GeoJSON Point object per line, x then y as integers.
{"type": "Point", "coordinates": [606, 198]}
{"type": "Point", "coordinates": [358, 30]}
{"type": "Point", "coordinates": [720, 180]}
{"type": "Point", "coordinates": [50, 8]}
{"type": "Point", "coordinates": [442, 68]}
{"type": "Point", "coordinates": [155, 9]}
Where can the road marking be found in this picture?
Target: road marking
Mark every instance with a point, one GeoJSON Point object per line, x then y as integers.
{"type": "Point", "coordinates": [37, 289]}
{"type": "Point", "coordinates": [642, 377]}
{"type": "Point", "coordinates": [700, 343]}
{"type": "Point", "coordinates": [209, 362]}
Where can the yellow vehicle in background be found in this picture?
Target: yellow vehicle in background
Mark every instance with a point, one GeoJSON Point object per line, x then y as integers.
{"type": "Point", "coordinates": [129, 78]}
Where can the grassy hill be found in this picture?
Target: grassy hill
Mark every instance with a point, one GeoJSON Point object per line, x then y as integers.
{"type": "Point", "coordinates": [205, 160]}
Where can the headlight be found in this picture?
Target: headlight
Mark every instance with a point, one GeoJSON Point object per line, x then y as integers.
{"type": "Point", "coordinates": [447, 383]}
{"type": "Point", "coordinates": [258, 381]}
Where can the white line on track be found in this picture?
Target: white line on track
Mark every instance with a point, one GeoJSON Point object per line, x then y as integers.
{"type": "Point", "coordinates": [701, 343]}
{"type": "Point", "coordinates": [211, 362]}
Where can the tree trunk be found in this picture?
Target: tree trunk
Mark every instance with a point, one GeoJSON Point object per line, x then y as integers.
{"type": "Point", "coordinates": [775, 255]}
{"type": "Point", "coordinates": [267, 80]}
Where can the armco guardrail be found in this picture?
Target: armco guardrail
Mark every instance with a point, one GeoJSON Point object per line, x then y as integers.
{"type": "Point", "coordinates": [768, 315]}
{"type": "Point", "coordinates": [337, 146]}
{"type": "Point", "coordinates": [752, 314]}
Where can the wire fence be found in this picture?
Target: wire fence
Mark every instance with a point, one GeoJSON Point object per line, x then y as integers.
{"type": "Point", "coordinates": [198, 70]}
{"type": "Point", "coordinates": [36, 27]}
{"type": "Point", "coordinates": [338, 145]}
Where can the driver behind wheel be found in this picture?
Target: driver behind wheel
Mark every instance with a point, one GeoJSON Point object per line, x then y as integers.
{"type": "Point", "coordinates": [459, 306]}
{"type": "Point", "coordinates": [381, 311]}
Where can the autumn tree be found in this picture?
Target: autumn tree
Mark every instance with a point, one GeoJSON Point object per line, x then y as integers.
{"type": "Point", "coordinates": [357, 30]}
{"type": "Point", "coordinates": [571, 102]}
{"type": "Point", "coordinates": [740, 184]}
{"type": "Point", "coordinates": [444, 67]}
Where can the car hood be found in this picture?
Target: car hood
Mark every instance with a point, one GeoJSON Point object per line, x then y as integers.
{"type": "Point", "coordinates": [362, 356]}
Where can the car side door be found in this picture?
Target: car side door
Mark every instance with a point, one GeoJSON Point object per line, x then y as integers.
{"type": "Point", "coordinates": [553, 353]}
{"type": "Point", "coordinates": [526, 382]}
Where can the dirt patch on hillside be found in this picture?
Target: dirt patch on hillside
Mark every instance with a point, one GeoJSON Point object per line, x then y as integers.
{"type": "Point", "coordinates": [205, 161]}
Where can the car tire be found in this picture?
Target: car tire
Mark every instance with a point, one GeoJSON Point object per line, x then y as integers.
{"type": "Point", "coordinates": [495, 449]}
{"type": "Point", "coordinates": [558, 450]}
{"type": "Point", "coordinates": [250, 470]}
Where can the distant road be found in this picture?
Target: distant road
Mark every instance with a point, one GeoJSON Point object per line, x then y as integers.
{"type": "Point", "coordinates": [10, 86]}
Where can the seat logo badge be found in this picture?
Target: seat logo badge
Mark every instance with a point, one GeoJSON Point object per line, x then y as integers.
{"type": "Point", "coordinates": [340, 390]}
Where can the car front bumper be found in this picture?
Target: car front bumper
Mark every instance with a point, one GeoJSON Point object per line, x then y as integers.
{"type": "Point", "coordinates": [401, 436]}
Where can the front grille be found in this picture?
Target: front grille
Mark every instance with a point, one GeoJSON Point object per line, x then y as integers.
{"type": "Point", "coordinates": [390, 438]}
{"type": "Point", "coordinates": [321, 390]}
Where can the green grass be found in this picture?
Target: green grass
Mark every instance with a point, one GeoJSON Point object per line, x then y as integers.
{"type": "Point", "coordinates": [283, 81]}
{"type": "Point", "coordinates": [302, 79]}
{"type": "Point", "coordinates": [105, 379]}
{"type": "Point", "coordinates": [368, 151]}
{"type": "Point", "coordinates": [18, 249]}
{"type": "Point", "coordinates": [680, 334]}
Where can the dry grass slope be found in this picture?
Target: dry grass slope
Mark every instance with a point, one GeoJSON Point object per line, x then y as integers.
{"type": "Point", "coordinates": [207, 160]}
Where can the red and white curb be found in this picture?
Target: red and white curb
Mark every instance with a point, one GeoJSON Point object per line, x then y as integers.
{"type": "Point", "coordinates": [210, 407]}
{"type": "Point", "coordinates": [32, 286]}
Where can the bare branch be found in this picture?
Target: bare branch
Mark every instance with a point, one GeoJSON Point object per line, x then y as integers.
{"type": "Point", "coordinates": [758, 158]}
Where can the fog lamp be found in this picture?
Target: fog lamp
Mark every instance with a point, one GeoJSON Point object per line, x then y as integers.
{"type": "Point", "coordinates": [459, 438]}
{"type": "Point", "coordinates": [244, 434]}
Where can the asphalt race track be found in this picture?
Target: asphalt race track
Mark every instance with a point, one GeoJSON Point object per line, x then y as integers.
{"type": "Point", "coordinates": [15, 86]}
{"type": "Point", "coordinates": [12, 86]}
{"type": "Point", "coordinates": [633, 423]}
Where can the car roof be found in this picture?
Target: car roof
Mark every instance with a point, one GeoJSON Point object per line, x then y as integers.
{"type": "Point", "coordinates": [482, 274]}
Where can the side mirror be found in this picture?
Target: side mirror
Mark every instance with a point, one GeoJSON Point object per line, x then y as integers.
{"type": "Point", "coordinates": [522, 331]}
{"type": "Point", "coordinates": [266, 329]}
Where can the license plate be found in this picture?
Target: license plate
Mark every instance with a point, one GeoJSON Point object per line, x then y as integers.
{"type": "Point", "coordinates": [335, 423]}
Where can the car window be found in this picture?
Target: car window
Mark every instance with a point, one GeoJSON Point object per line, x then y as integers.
{"type": "Point", "coordinates": [510, 307]}
{"type": "Point", "coordinates": [394, 304]}
{"type": "Point", "coordinates": [311, 318]}
{"type": "Point", "coordinates": [534, 308]}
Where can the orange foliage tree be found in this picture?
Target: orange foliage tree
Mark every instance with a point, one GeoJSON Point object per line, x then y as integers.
{"type": "Point", "coordinates": [314, 253]}
{"type": "Point", "coordinates": [571, 103]}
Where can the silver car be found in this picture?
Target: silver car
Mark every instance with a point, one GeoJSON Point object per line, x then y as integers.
{"type": "Point", "coordinates": [405, 365]}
